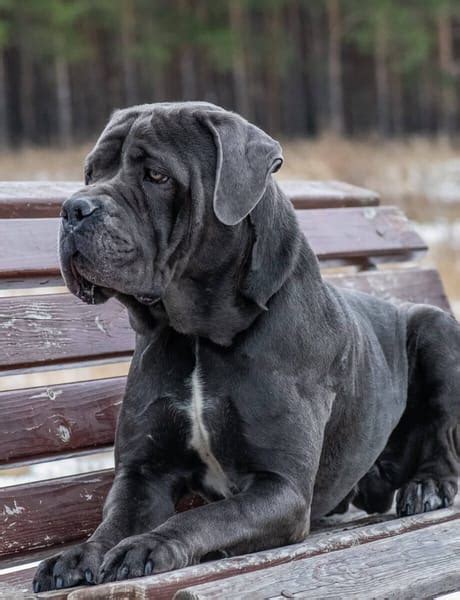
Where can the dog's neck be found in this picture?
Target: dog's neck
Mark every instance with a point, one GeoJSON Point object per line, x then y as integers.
{"type": "Point", "coordinates": [229, 281]}
{"type": "Point", "coordinates": [233, 274]}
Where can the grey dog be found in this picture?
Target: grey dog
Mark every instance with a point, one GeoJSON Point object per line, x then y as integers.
{"type": "Point", "coordinates": [274, 395]}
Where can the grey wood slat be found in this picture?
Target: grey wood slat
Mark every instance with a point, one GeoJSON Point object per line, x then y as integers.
{"type": "Point", "coordinates": [32, 199]}
{"type": "Point", "coordinates": [344, 536]}
{"type": "Point", "coordinates": [418, 564]}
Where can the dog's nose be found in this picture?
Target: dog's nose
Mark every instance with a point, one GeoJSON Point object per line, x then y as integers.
{"type": "Point", "coordinates": [75, 210]}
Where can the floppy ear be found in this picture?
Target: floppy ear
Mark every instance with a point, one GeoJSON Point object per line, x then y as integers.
{"type": "Point", "coordinates": [246, 158]}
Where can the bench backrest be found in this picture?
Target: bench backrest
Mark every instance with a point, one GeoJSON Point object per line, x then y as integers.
{"type": "Point", "coordinates": [49, 335]}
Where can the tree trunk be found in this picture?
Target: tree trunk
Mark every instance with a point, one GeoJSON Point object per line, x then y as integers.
{"type": "Point", "coordinates": [448, 100]}
{"type": "Point", "coordinates": [273, 70]}
{"type": "Point", "coordinates": [187, 58]}
{"type": "Point", "coordinates": [238, 17]}
{"type": "Point", "coordinates": [3, 105]}
{"type": "Point", "coordinates": [336, 114]}
{"type": "Point", "coordinates": [381, 77]}
{"type": "Point", "coordinates": [127, 63]}
{"type": "Point", "coordinates": [316, 79]}
{"type": "Point", "coordinates": [64, 100]}
{"type": "Point", "coordinates": [26, 95]}
{"type": "Point", "coordinates": [398, 104]}
{"type": "Point", "coordinates": [295, 105]}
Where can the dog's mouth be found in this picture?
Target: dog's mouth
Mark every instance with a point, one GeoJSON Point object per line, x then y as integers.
{"type": "Point", "coordinates": [81, 286]}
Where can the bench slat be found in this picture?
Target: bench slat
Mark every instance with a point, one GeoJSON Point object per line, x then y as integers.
{"type": "Point", "coordinates": [29, 246]}
{"type": "Point", "coordinates": [40, 423]}
{"type": "Point", "coordinates": [32, 199]}
{"type": "Point", "coordinates": [39, 330]}
{"type": "Point", "coordinates": [52, 512]}
{"type": "Point", "coordinates": [418, 564]}
{"type": "Point", "coordinates": [338, 538]}
{"type": "Point", "coordinates": [46, 329]}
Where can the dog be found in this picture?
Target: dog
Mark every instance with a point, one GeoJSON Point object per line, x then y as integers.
{"type": "Point", "coordinates": [272, 394]}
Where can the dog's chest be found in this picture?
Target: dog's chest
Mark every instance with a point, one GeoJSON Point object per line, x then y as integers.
{"type": "Point", "coordinates": [200, 439]}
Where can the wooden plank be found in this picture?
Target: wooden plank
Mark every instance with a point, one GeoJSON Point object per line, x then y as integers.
{"type": "Point", "coordinates": [50, 328]}
{"type": "Point", "coordinates": [357, 233]}
{"type": "Point", "coordinates": [57, 511]}
{"type": "Point", "coordinates": [327, 194]}
{"type": "Point", "coordinates": [402, 285]}
{"type": "Point", "coordinates": [43, 422]}
{"type": "Point", "coordinates": [54, 328]}
{"type": "Point", "coordinates": [48, 513]}
{"type": "Point", "coordinates": [28, 246]}
{"type": "Point", "coordinates": [340, 539]}
{"type": "Point", "coordinates": [32, 199]}
{"type": "Point", "coordinates": [416, 564]}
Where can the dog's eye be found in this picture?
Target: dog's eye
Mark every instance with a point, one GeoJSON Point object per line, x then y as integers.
{"type": "Point", "coordinates": [156, 177]}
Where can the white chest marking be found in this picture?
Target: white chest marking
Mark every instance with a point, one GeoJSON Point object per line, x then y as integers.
{"type": "Point", "coordinates": [215, 477]}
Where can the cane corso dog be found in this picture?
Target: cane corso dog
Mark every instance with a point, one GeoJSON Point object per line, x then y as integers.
{"type": "Point", "coordinates": [272, 394]}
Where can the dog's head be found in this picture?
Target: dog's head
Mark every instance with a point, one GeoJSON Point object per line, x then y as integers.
{"type": "Point", "coordinates": [160, 178]}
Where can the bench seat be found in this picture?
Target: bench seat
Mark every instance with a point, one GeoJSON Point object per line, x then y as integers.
{"type": "Point", "coordinates": [44, 330]}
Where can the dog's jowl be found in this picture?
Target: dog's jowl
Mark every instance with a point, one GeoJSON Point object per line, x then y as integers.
{"type": "Point", "coordinates": [274, 395]}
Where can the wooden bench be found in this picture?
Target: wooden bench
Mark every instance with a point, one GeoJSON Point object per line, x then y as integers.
{"type": "Point", "coordinates": [46, 332]}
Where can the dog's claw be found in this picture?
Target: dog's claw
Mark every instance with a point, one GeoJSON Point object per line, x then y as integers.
{"type": "Point", "coordinates": [89, 576]}
{"type": "Point", "coordinates": [148, 567]}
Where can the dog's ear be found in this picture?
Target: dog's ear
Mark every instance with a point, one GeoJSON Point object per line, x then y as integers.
{"type": "Point", "coordinates": [246, 158]}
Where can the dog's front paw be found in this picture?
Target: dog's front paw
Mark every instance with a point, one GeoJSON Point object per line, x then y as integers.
{"type": "Point", "coordinates": [77, 566]}
{"type": "Point", "coordinates": [141, 555]}
{"type": "Point", "coordinates": [423, 496]}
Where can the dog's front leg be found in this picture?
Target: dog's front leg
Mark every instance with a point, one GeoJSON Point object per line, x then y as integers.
{"type": "Point", "coordinates": [270, 513]}
{"type": "Point", "coordinates": [135, 503]}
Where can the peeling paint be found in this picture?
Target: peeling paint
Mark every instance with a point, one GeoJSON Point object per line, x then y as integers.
{"type": "Point", "coordinates": [14, 510]}
{"type": "Point", "coordinates": [99, 324]}
{"type": "Point", "coordinates": [48, 393]}
{"type": "Point", "coordinates": [370, 212]}
{"type": "Point", "coordinates": [63, 433]}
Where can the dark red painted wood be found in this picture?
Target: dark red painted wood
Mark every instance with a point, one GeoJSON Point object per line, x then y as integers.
{"type": "Point", "coordinates": [51, 512]}
{"type": "Point", "coordinates": [42, 422]}
{"type": "Point", "coordinates": [32, 199]}
{"type": "Point", "coordinates": [51, 328]}
{"type": "Point", "coordinates": [28, 247]}
{"type": "Point", "coordinates": [60, 419]}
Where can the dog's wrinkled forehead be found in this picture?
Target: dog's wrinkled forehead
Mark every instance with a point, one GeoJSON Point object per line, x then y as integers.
{"type": "Point", "coordinates": [142, 125]}
{"type": "Point", "coordinates": [243, 156]}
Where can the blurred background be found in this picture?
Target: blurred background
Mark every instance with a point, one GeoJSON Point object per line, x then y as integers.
{"type": "Point", "coordinates": [365, 91]}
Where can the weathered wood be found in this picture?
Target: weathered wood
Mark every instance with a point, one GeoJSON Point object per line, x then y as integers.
{"type": "Point", "coordinates": [356, 233]}
{"type": "Point", "coordinates": [327, 194]}
{"type": "Point", "coordinates": [400, 285]}
{"type": "Point", "coordinates": [28, 246]}
{"type": "Point", "coordinates": [57, 511]}
{"type": "Point", "coordinates": [50, 328]}
{"type": "Point", "coordinates": [32, 199]}
{"type": "Point", "coordinates": [49, 513]}
{"type": "Point", "coordinates": [417, 564]}
{"type": "Point", "coordinates": [40, 423]}
{"type": "Point", "coordinates": [344, 536]}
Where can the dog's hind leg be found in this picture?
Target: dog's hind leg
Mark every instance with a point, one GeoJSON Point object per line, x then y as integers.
{"type": "Point", "coordinates": [422, 457]}
{"type": "Point", "coordinates": [434, 409]}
